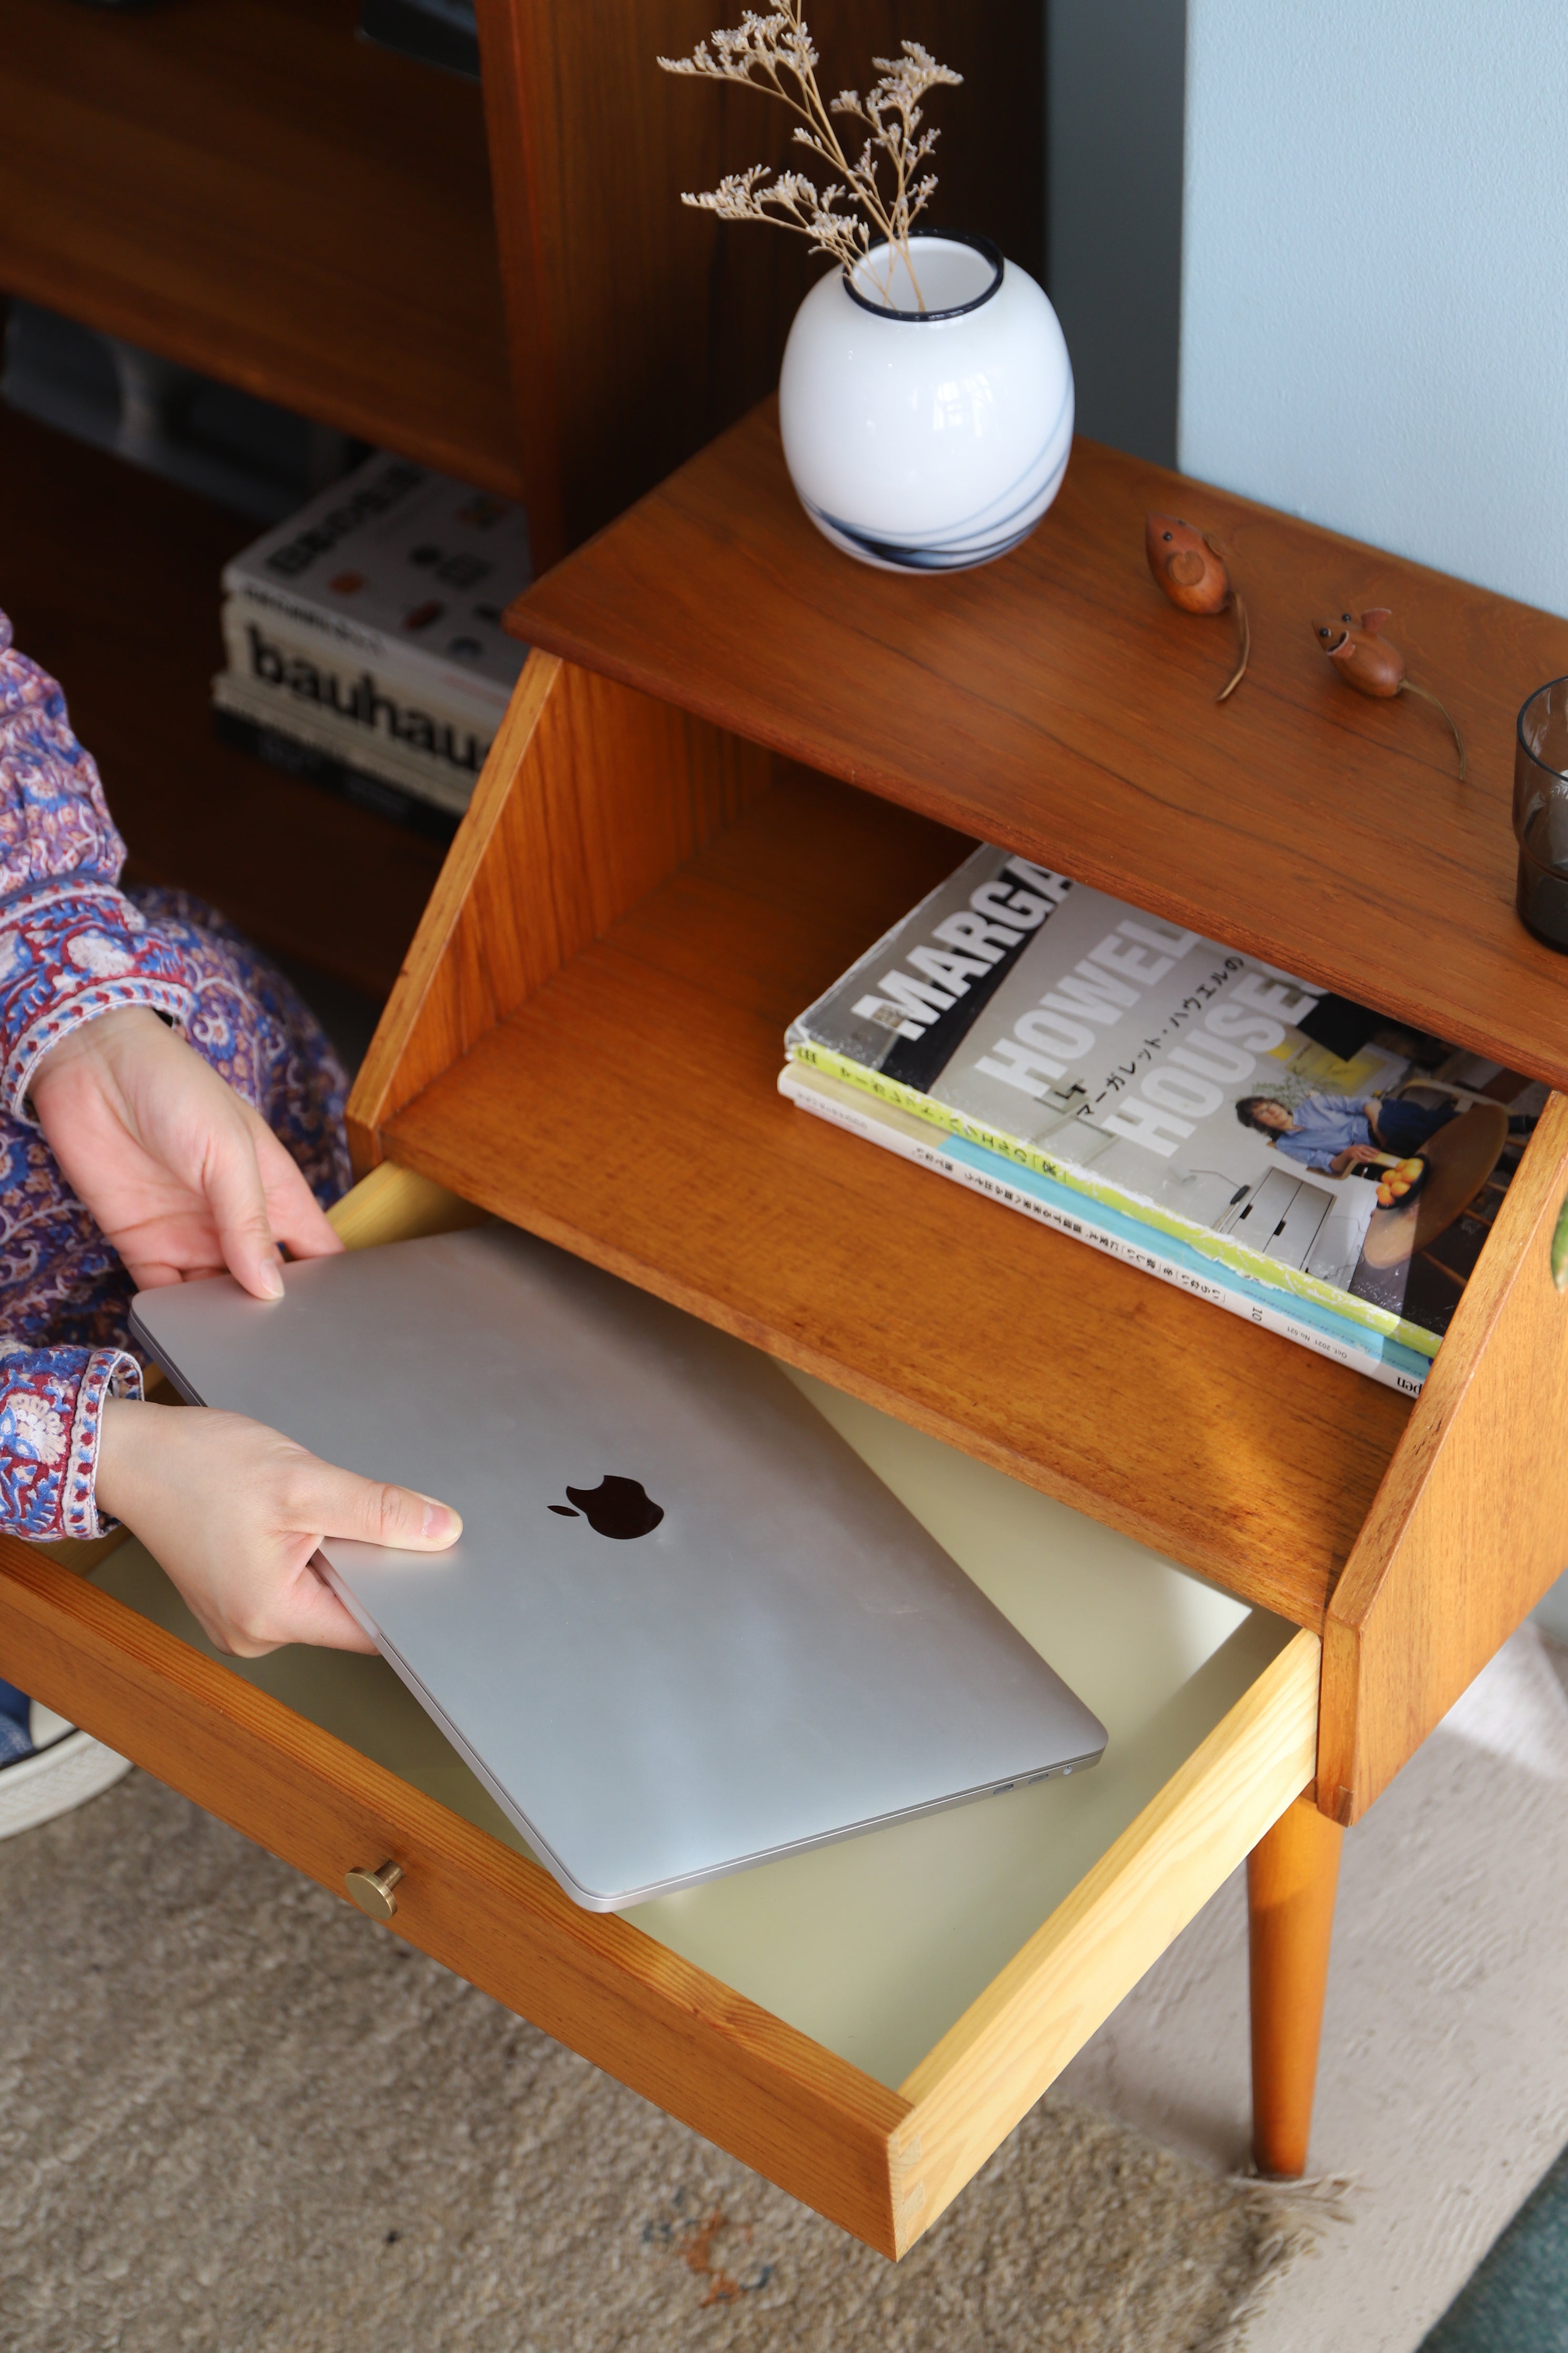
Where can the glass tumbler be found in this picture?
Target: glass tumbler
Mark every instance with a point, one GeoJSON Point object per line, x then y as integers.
{"type": "Point", "coordinates": [1540, 813]}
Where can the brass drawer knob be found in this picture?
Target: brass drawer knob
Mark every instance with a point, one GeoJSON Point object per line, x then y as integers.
{"type": "Point", "coordinates": [372, 1890]}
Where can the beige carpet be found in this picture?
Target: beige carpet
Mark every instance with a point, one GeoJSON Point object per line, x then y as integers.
{"type": "Point", "coordinates": [235, 2117]}
{"type": "Point", "coordinates": [1444, 2089]}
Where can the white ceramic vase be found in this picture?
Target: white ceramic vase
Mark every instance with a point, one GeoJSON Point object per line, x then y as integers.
{"type": "Point", "coordinates": [927, 440]}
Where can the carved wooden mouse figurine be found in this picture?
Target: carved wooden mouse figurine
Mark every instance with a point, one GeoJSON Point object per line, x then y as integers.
{"type": "Point", "coordinates": [1365, 660]}
{"type": "Point", "coordinates": [1191, 570]}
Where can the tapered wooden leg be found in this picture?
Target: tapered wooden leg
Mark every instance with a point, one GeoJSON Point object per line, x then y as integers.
{"type": "Point", "coordinates": [1291, 1878]}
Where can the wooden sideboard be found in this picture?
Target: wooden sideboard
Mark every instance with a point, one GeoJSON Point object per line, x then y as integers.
{"type": "Point", "coordinates": [731, 758]}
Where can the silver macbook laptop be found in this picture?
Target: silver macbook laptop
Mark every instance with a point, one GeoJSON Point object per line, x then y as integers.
{"type": "Point", "coordinates": [685, 1629]}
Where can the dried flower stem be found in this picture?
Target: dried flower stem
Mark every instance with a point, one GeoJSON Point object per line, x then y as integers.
{"type": "Point", "coordinates": [776, 55]}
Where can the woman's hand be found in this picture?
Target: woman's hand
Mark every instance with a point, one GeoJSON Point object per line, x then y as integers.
{"type": "Point", "coordinates": [183, 1177]}
{"type": "Point", "coordinates": [234, 1512]}
{"type": "Point", "coordinates": [1355, 1156]}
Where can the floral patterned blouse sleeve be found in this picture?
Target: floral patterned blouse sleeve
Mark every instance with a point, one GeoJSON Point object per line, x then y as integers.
{"type": "Point", "coordinates": [71, 944]}
{"type": "Point", "coordinates": [50, 1403]}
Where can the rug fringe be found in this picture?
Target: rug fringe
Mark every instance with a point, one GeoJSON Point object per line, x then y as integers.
{"type": "Point", "coordinates": [1298, 2211]}
{"type": "Point", "coordinates": [1319, 2196]}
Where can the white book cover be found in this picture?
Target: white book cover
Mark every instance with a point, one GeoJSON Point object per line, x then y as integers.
{"type": "Point", "coordinates": [402, 568]}
{"type": "Point", "coordinates": [376, 721]}
{"type": "Point", "coordinates": [443, 786]}
{"type": "Point", "coordinates": [274, 649]}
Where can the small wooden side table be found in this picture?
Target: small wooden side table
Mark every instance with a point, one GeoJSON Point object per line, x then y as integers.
{"type": "Point", "coordinates": [732, 758]}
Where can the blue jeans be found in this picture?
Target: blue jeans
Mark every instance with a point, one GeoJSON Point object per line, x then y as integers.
{"type": "Point", "coordinates": [16, 1740]}
{"type": "Point", "coordinates": [1407, 1127]}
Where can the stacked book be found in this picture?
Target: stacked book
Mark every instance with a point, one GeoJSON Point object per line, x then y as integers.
{"type": "Point", "coordinates": [364, 642]}
{"type": "Point", "coordinates": [1284, 1153]}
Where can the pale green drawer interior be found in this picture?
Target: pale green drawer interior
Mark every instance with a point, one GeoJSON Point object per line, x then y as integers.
{"type": "Point", "coordinates": [875, 1945]}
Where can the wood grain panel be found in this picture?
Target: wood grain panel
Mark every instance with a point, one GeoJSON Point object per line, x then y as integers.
{"type": "Point", "coordinates": [1056, 702]}
{"type": "Point", "coordinates": [774, 2098]}
{"type": "Point", "coordinates": [1471, 1525]}
{"type": "Point", "coordinates": [110, 577]}
{"type": "Point", "coordinates": [628, 1109]}
{"type": "Point", "coordinates": [641, 328]}
{"type": "Point", "coordinates": [590, 797]}
{"type": "Point", "coordinates": [243, 187]}
{"type": "Point", "coordinates": [454, 981]}
{"type": "Point", "coordinates": [990, 2067]}
{"type": "Point", "coordinates": [394, 1204]}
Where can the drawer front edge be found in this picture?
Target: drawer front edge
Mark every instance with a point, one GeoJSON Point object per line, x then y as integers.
{"type": "Point", "coordinates": [1010, 2046]}
{"type": "Point", "coordinates": [769, 2095]}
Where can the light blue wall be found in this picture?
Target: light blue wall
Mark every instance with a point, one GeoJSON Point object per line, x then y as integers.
{"type": "Point", "coordinates": [1373, 240]}
{"type": "Point", "coordinates": [1375, 312]}
{"type": "Point", "coordinates": [1113, 147]}
{"type": "Point", "coordinates": [1374, 315]}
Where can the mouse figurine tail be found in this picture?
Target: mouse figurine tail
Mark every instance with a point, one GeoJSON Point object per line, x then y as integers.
{"type": "Point", "coordinates": [1243, 648]}
{"type": "Point", "coordinates": [1243, 632]}
{"type": "Point", "coordinates": [1408, 686]}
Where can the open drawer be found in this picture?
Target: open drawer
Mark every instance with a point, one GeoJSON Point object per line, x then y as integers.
{"type": "Point", "coordinates": [864, 2023]}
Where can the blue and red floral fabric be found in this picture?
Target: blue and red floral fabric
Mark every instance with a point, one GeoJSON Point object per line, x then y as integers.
{"type": "Point", "coordinates": [72, 945]}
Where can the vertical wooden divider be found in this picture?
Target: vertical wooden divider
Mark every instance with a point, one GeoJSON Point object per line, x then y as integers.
{"type": "Point", "coordinates": [1470, 1524]}
{"type": "Point", "coordinates": [591, 794]}
{"type": "Point", "coordinates": [522, 219]}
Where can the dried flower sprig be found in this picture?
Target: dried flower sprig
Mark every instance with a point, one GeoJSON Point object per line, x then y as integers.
{"type": "Point", "coordinates": [776, 55]}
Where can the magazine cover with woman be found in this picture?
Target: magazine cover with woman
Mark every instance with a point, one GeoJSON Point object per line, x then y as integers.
{"type": "Point", "coordinates": [1295, 1135]}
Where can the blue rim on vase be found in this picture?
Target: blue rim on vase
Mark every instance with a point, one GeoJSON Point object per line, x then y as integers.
{"type": "Point", "coordinates": [984, 245]}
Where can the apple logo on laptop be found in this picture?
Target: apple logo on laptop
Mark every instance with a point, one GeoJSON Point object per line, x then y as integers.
{"type": "Point", "coordinates": [616, 1507]}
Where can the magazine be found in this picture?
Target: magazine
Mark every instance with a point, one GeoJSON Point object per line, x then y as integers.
{"type": "Point", "coordinates": [1293, 1137]}
{"type": "Point", "coordinates": [1111, 1231]}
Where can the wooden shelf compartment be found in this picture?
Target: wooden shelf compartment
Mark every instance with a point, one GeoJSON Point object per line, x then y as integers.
{"type": "Point", "coordinates": [864, 2023]}
{"type": "Point", "coordinates": [587, 1035]}
{"type": "Point", "coordinates": [243, 187]}
{"type": "Point", "coordinates": [1055, 703]}
{"type": "Point", "coordinates": [626, 1108]}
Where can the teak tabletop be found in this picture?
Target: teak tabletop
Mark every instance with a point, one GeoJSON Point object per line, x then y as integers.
{"type": "Point", "coordinates": [1056, 702]}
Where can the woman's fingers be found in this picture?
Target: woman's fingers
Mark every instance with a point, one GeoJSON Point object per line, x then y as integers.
{"type": "Point", "coordinates": [236, 1512]}
{"type": "Point", "coordinates": [231, 1179]}
{"type": "Point", "coordinates": [305, 1610]}
{"type": "Point", "coordinates": [182, 1173]}
{"type": "Point", "coordinates": [297, 1219]}
{"type": "Point", "coordinates": [319, 1498]}
{"type": "Point", "coordinates": [328, 1501]}
{"type": "Point", "coordinates": [150, 1271]}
